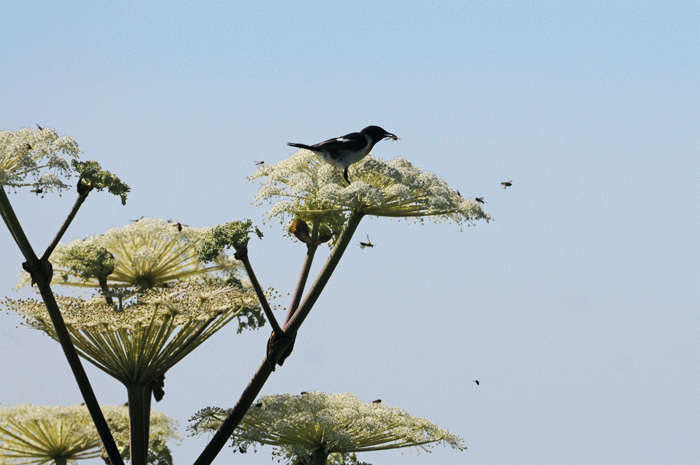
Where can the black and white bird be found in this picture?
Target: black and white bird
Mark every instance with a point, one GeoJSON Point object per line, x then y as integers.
{"type": "Point", "coordinates": [342, 152]}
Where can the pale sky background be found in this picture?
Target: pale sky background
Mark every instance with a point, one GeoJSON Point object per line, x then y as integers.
{"type": "Point", "coordinates": [577, 308]}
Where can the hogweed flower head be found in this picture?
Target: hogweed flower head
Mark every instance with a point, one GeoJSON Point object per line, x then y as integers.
{"type": "Point", "coordinates": [142, 255]}
{"type": "Point", "coordinates": [304, 187]}
{"type": "Point", "coordinates": [31, 434]}
{"type": "Point", "coordinates": [151, 334]}
{"type": "Point", "coordinates": [30, 152]}
{"type": "Point", "coordinates": [328, 423]}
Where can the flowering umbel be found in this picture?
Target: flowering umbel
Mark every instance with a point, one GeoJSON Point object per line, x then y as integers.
{"type": "Point", "coordinates": [145, 254]}
{"type": "Point", "coordinates": [36, 153]}
{"type": "Point", "coordinates": [312, 191]}
{"type": "Point", "coordinates": [316, 423]}
{"type": "Point", "coordinates": [32, 434]}
{"type": "Point", "coordinates": [151, 334]}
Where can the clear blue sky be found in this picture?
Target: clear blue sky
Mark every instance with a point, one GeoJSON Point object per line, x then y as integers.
{"type": "Point", "coordinates": [577, 308]}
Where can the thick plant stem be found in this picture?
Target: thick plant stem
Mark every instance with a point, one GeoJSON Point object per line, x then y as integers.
{"type": "Point", "coordinates": [76, 206]}
{"type": "Point", "coordinates": [319, 457]}
{"type": "Point", "coordinates": [43, 278]}
{"type": "Point", "coordinates": [256, 384]}
{"type": "Point", "coordinates": [292, 326]}
{"type": "Point", "coordinates": [139, 396]}
{"type": "Point", "coordinates": [301, 284]}
{"type": "Point", "coordinates": [260, 294]}
{"type": "Point", "coordinates": [236, 415]}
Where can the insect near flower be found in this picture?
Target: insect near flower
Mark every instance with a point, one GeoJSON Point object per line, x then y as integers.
{"type": "Point", "coordinates": [40, 128]}
{"type": "Point", "coordinates": [259, 163]}
{"type": "Point", "coordinates": [507, 184]}
{"type": "Point", "coordinates": [476, 381]}
{"type": "Point", "coordinates": [366, 244]}
{"type": "Point", "coordinates": [378, 401]}
{"type": "Point", "coordinates": [36, 191]}
{"type": "Point", "coordinates": [480, 200]}
{"type": "Point", "coordinates": [179, 226]}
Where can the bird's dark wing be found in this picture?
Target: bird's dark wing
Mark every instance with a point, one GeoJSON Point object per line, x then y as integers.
{"type": "Point", "coordinates": [353, 141]}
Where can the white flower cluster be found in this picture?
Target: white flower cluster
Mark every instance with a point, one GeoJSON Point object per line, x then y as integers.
{"type": "Point", "coordinates": [150, 334]}
{"type": "Point", "coordinates": [146, 254]}
{"type": "Point", "coordinates": [29, 151]}
{"type": "Point", "coordinates": [300, 425]}
{"type": "Point", "coordinates": [310, 188]}
{"type": "Point", "coordinates": [31, 434]}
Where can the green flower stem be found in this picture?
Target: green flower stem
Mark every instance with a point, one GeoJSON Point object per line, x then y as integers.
{"type": "Point", "coordinates": [256, 384]}
{"type": "Point", "coordinates": [301, 284]}
{"type": "Point", "coordinates": [261, 295]}
{"type": "Point", "coordinates": [218, 441]}
{"type": "Point", "coordinates": [78, 203]}
{"type": "Point", "coordinates": [12, 223]}
{"type": "Point", "coordinates": [319, 457]}
{"type": "Point", "coordinates": [81, 378]}
{"type": "Point", "coordinates": [60, 461]}
{"type": "Point", "coordinates": [139, 396]}
{"type": "Point", "coordinates": [292, 326]}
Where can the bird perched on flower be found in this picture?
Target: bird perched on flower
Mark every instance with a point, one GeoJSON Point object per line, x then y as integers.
{"type": "Point", "coordinates": [342, 152]}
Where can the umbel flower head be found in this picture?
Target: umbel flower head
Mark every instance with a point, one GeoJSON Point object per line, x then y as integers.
{"type": "Point", "coordinates": [314, 191]}
{"type": "Point", "coordinates": [30, 152]}
{"type": "Point", "coordinates": [151, 334]}
{"type": "Point", "coordinates": [32, 434]}
{"type": "Point", "coordinates": [316, 424]}
{"type": "Point", "coordinates": [141, 255]}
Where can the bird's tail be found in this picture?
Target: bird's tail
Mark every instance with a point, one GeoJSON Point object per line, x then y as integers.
{"type": "Point", "coordinates": [301, 146]}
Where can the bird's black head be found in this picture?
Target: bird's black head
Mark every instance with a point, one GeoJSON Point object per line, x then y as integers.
{"type": "Point", "coordinates": [376, 133]}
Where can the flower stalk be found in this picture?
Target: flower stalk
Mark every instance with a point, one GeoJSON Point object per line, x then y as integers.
{"type": "Point", "coordinates": [43, 278]}
{"type": "Point", "coordinates": [256, 384]}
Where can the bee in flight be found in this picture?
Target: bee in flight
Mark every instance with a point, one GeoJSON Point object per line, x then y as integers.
{"type": "Point", "coordinates": [259, 163]}
{"type": "Point", "coordinates": [507, 184]}
{"type": "Point", "coordinates": [179, 226]}
{"type": "Point", "coordinates": [480, 199]}
{"type": "Point", "coordinates": [366, 244]}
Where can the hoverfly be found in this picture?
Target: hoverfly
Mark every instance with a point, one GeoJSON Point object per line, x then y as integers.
{"type": "Point", "coordinates": [37, 191]}
{"type": "Point", "coordinates": [507, 184]}
{"type": "Point", "coordinates": [480, 199]}
{"type": "Point", "coordinates": [378, 401]}
{"type": "Point", "coordinates": [40, 128]}
{"type": "Point", "coordinates": [259, 163]}
{"type": "Point", "coordinates": [476, 381]}
{"type": "Point", "coordinates": [366, 244]}
{"type": "Point", "coordinates": [179, 226]}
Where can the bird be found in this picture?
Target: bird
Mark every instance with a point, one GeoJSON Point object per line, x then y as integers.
{"type": "Point", "coordinates": [342, 152]}
{"type": "Point", "coordinates": [507, 184]}
{"type": "Point", "coordinates": [476, 381]}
